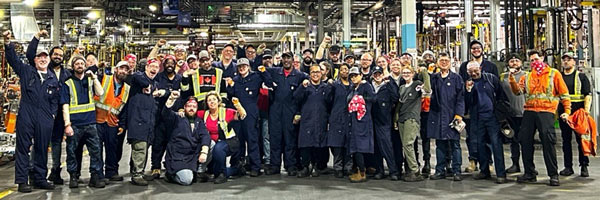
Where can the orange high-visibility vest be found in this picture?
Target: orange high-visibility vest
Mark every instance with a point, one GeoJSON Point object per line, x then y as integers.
{"type": "Point", "coordinates": [108, 107]}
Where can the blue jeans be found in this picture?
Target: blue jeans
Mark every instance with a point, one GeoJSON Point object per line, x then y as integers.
{"type": "Point", "coordinates": [93, 145]}
{"type": "Point", "coordinates": [113, 147]}
{"type": "Point", "coordinates": [182, 177]}
{"type": "Point", "coordinates": [219, 156]}
{"type": "Point", "coordinates": [446, 148]}
{"type": "Point", "coordinates": [488, 129]}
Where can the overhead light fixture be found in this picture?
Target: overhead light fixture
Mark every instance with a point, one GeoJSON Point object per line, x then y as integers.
{"type": "Point", "coordinates": [93, 15]}
{"type": "Point", "coordinates": [152, 8]}
{"type": "Point", "coordinates": [82, 8]}
{"type": "Point", "coordinates": [31, 3]}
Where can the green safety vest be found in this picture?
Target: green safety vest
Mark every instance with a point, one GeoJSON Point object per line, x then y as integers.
{"type": "Point", "coordinates": [74, 106]}
{"type": "Point", "coordinates": [577, 97]}
{"type": "Point", "coordinates": [222, 123]}
{"type": "Point", "coordinates": [200, 96]}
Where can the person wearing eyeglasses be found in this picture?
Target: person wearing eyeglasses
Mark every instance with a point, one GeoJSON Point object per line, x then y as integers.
{"type": "Point", "coordinates": [488, 67]}
{"type": "Point", "coordinates": [447, 106]}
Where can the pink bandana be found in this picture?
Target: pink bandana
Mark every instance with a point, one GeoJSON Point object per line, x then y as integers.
{"type": "Point", "coordinates": [358, 105]}
{"type": "Point", "coordinates": [538, 66]}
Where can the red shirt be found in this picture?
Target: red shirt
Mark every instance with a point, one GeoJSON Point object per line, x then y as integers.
{"type": "Point", "coordinates": [212, 125]}
{"type": "Point", "coordinates": [263, 100]}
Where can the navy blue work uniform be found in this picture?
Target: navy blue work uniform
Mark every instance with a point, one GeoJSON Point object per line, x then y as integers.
{"type": "Point", "coordinates": [485, 93]}
{"type": "Point", "coordinates": [361, 132]}
{"type": "Point", "coordinates": [339, 126]}
{"type": "Point", "coordinates": [185, 143]}
{"type": "Point", "coordinates": [230, 72]}
{"type": "Point", "coordinates": [246, 89]}
{"type": "Point", "coordinates": [312, 138]}
{"type": "Point", "coordinates": [385, 98]}
{"type": "Point", "coordinates": [447, 101]}
{"type": "Point", "coordinates": [485, 66]}
{"type": "Point", "coordinates": [58, 130]}
{"type": "Point", "coordinates": [161, 134]}
{"type": "Point", "coordinates": [35, 119]}
{"type": "Point", "coordinates": [255, 63]}
{"type": "Point", "coordinates": [141, 109]}
{"type": "Point", "coordinates": [281, 112]}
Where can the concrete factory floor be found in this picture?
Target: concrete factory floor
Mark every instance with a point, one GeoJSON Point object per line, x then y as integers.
{"type": "Point", "coordinates": [326, 186]}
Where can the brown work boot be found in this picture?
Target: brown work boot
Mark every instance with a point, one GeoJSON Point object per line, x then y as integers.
{"type": "Point", "coordinates": [472, 167]}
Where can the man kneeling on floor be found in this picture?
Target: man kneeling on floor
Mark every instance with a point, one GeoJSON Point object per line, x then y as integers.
{"type": "Point", "coordinates": [188, 143]}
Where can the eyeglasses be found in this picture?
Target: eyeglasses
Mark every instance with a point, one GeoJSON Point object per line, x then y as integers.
{"type": "Point", "coordinates": [228, 51]}
{"type": "Point", "coordinates": [475, 48]}
{"type": "Point", "coordinates": [315, 72]}
{"type": "Point", "coordinates": [366, 60]}
{"type": "Point", "coordinates": [444, 60]}
{"type": "Point", "coordinates": [204, 60]}
{"type": "Point", "coordinates": [250, 52]}
{"type": "Point", "coordinates": [407, 73]}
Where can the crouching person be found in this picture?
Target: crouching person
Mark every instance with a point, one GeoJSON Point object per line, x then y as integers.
{"type": "Point", "coordinates": [223, 139]}
{"type": "Point", "coordinates": [188, 143]}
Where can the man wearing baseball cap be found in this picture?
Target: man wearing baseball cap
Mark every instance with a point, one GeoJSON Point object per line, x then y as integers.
{"type": "Point", "coordinates": [486, 66]}
{"type": "Point", "coordinates": [333, 57]}
{"type": "Point", "coordinates": [580, 94]}
{"type": "Point", "coordinates": [516, 108]}
{"type": "Point", "coordinates": [39, 95]}
{"type": "Point", "coordinates": [307, 60]}
{"type": "Point", "coordinates": [207, 78]}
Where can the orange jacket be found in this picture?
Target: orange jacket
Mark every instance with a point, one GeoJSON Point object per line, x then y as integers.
{"type": "Point", "coordinates": [542, 92]}
{"type": "Point", "coordinates": [583, 124]}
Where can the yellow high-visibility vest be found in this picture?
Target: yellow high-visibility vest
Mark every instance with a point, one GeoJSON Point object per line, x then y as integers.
{"type": "Point", "coordinates": [222, 123]}
{"type": "Point", "coordinates": [74, 106]}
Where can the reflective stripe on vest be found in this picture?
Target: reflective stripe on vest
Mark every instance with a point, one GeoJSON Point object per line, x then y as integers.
{"type": "Point", "coordinates": [124, 95]}
{"type": "Point", "coordinates": [74, 106]}
{"type": "Point", "coordinates": [196, 84]}
{"type": "Point", "coordinates": [222, 122]}
{"type": "Point", "coordinates": [544, 96]}
{"type": "Point", "coordinates": [577, 97]}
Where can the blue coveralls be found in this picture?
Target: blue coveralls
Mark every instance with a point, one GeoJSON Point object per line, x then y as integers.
{"type": "Point", "coordinates": [281, 113]}
{"type": "Point", "coordinates": [472, 145]}
{"type": "Point", "coordinates": [58, 130]}
{"type": "Point", "coordinates": [383, 106]}
{"type": "Point", "coordinates": [35, 119]}
{"type": "Point", "coordinates": [481, 100]}
{"type": "Point", "coordinates": [246, 89]}
{"type": "Point", "coordinates": [447, 101]}
{"type": "Point", "coordinates": [339, 127]}
{"type": "Point", "coordinates": [161, 134]}
{"type": "Point", "coordinates": [312, 138]}
{"type": "Point", "coordinates": [184, 144]}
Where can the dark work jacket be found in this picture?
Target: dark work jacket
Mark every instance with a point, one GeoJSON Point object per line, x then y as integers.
{"type": "Point", "coordinates": [447, 100]}
{"type": "Point", "coordinates": [385, 99]}
{"type": "Point", "coordinates": [184, 146]}
{"type": "Point", "coordinates": [339, 120]}
{"type": "Point", "coordinates": [39, 101]}
{"type": "Point", "coordinates": [246, 89]}
{"type": "Point", "coordinates": [361, 131]}
{"type": "Point", "coordinates": [141, 108]}
{"type": "Point", "coordinates": [163, 82]}
{"type": "Point", "coordinates": [230, 72]}
{"type": "Point", "coordinates": [281, 98]}
{"type": "Point", "coordinates": [313, 101]}
{"type": "Point", "coordinates": [486, 66]}
{"type": "Point", "coordinates": [492, 89]}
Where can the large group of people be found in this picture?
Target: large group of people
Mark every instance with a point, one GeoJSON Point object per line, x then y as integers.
{"type": "Point", "coordinates": [193, 110]}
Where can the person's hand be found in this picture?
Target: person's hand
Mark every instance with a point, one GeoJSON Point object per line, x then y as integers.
{"type": "Point", "coordinates": [305, 83]}
{"type": "Point", "coordinates": [564, 116]}
{"type": "Point", "coordinates": [202, 157]}
{"type": "Point", "coordinates": [147, 90]}
{"type": "Point", "coordinates": [235, 100]}
{"type": "Point", "coordinates": [42, 34]}
{"type": "Point", "coordinates": [161, 42]}
{"type": "Point", "coordinates": [242, 41]}
{"type": "Point", "coordinates": [330, 81]}
{"type": "Point", "coordinates": [181, 113]}
{"type": "Point", "coordinates": [296, 119]}
{"type": "Point", "coordinates": [234, 42]}
{"type": "Point", "coordinates": [7, 35]}
{"type": "Point", "coordinates": [458, 119]}
{"type": "Point", "coordinates": [422, 69]}
{"type": "Point", "coordinates": [121, 131]}
{"type": "Point", "coordinates": [262, 68]}
{"type": "Point", "coordinates": [326, 40]}
{"type": "Point", "coordinates": [69, 131]}
{"type": "Point", "coordinates": [469, 85]}
{"type": "Point", "coordinates": [229, 81]}
{"type": "Point", "coordinates": [262, 46]}
{"type": "Point", "coordinates": [159, 93]}
{"type": "Point", "coordinates": [90, 73]}
{"type": "Point", "coordinates": [174, 94]}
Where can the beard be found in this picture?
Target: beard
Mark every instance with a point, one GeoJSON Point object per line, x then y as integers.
{"type": "Point", "coordinates": [307, 60]}
{"type": "Point", "coordinates": [479, 56]}
{"type": "Point", "coordinates": [170, 69]}
{"type": "Point", "coordinates": [55, 62]}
